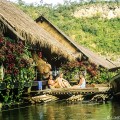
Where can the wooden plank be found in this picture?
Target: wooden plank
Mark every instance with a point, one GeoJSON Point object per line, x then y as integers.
{"type": "Point", "coordinates": [72, 91]}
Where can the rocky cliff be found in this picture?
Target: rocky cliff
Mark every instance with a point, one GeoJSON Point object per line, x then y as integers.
{"type": "Point", "coordinates": [108, 11]}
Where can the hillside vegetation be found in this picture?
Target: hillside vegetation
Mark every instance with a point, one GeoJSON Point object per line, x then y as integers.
{"type": "Point", "coordinates": [93, 25]}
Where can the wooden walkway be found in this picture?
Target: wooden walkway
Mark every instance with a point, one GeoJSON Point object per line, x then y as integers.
{"type": "Point", "coordinates": [70, 94]}
{"type": "Point", "coordinates": [71, 91]}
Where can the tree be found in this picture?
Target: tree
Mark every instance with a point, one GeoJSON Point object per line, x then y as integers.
{"type": "Point", "coordinates": [21, 2]}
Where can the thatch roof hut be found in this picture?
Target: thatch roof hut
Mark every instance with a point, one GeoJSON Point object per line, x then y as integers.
{"type": "Point", "coordinates": [115, 83]}
{"type": "Point", "coordinates": [73, 46]}
{"type": "Point", "coordinates": [21, 25]}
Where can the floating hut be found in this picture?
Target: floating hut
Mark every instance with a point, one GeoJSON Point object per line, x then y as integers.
{"type": "Point", "coordinates": [18, 26]}
{"type": "Point", "coordinates": [115, 84]}
{"type": "Point", "coordinates": [43, 37]}
{"type": "Point", "coordinates": [76, 49]}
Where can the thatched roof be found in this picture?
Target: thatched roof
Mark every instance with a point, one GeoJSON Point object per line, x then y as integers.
{"type": "Point", "coordinates": [26, 29]}
{"type": "Point", "coordinates": [93, 57]}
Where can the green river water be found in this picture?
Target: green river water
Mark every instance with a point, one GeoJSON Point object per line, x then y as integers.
{"type": "Point", "coordinates": [65, 111]}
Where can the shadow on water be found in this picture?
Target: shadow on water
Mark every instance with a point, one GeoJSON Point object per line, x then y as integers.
{"type": "Point", "coordinates": [65, 111]}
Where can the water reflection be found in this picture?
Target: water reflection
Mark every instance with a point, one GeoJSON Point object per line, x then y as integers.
{"type": "Point", "coordinates": [63, 111]}
{"type": "Point", "coordinates": [115, 111]}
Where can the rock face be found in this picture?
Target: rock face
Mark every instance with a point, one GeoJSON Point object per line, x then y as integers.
{"type": "Point", "coordinates": [107, 11]}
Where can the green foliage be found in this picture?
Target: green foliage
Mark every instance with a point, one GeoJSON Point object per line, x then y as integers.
{"type": "Point", "coordinates": [18, 67]}
{"type": "Point", "coordinates": [103, 76]}
{"type": "Point", "coordinates": [92, 73]}
{"type": "Point", "coordinates": [72, 70]}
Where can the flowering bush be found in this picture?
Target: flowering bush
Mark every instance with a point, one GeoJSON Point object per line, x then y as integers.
{"type": "Point", "coordinates": [17, 67]}
{"type": "Point", "coordinates": [73, 69]}
{"type": "Point", "coordinates": [93, 74]}
{"type": "Point", "coordinates": [12, 57]}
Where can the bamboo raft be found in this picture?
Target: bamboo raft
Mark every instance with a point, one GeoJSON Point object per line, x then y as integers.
{"type": "Point", "coordinates": [42, 99]}
{"type": "Point", "coordinates": [70, 95]}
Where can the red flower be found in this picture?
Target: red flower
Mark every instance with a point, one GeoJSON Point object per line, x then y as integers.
{"type": "Point", "coordinates": [15, 72]}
